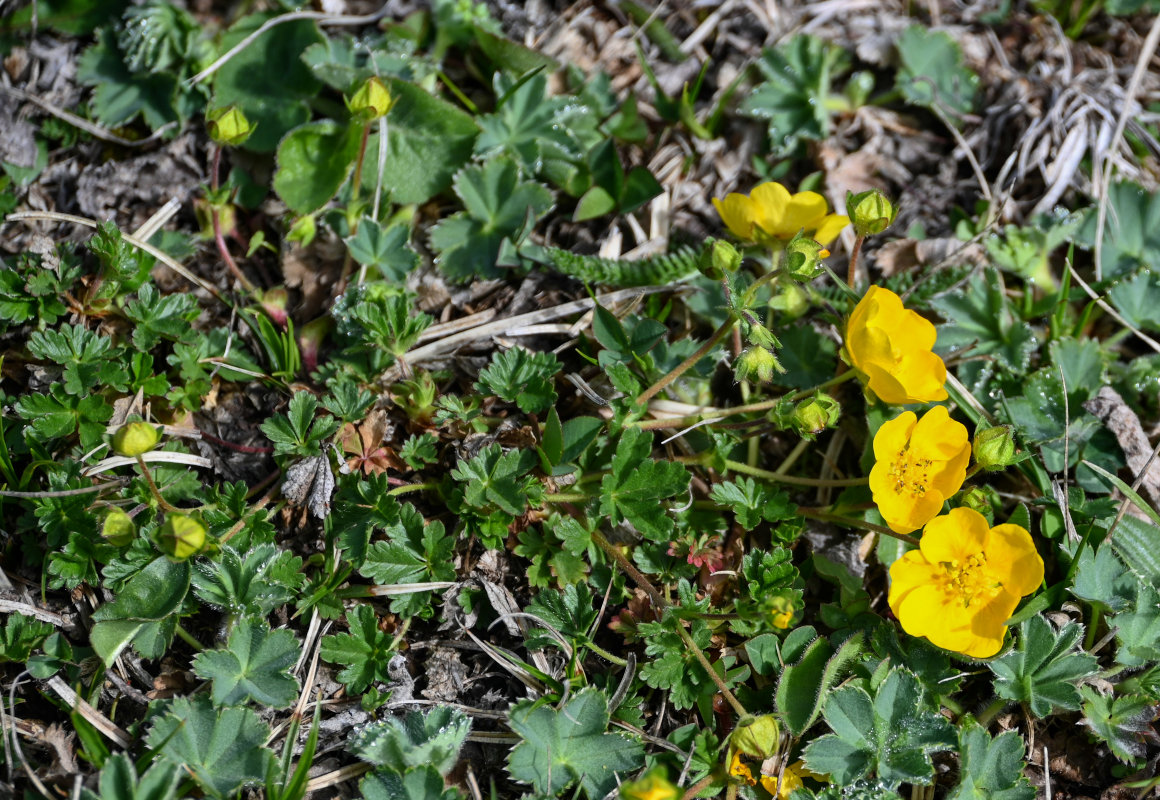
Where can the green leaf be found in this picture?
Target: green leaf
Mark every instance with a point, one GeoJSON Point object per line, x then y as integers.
{"type": "Point", "coordinates": [419, 783]}
{"type": "Point", "coordinates": [1138, 629]}
{"type": "Point", "coordinates": [253, 584]}
{"type": "Point", "coordinates": [1137, 542]}
{"type": "Point", "coordinates": [497, 205]}
{"type": "Point", "coordinates": [1138, 299]}
{"type": "Point", "coordinates": [156, 317]}
{"type": "Point", "coordinates": [522, 377]}
{"type": "Point", "coordinates": [980, 316]}
{"type": "Point", "coordinates": [636, 485]}
{"type": "Point", "coordinates": [89, 360]}
{"type": "Point", "coordinates": [563, 747]}
{"type": "Point", "coordinates": [1045, 415]}
{"type": "Point", "coordinates": [222, 750]}
{"type": "Point", "coordinates": [493, 480]}
{"type": "Point", "coordinates": [891, 734]}
{"type": "Point", "coordinates": [1122, 722]}
{"type": "Point", "coordinates": [1044, 667]}
{"type": "Point", "coordinates": [254, 666]}
{"type": "Point", "coordinates": [570, 613]}
{"type": "Point", "coordinates": [72, 17]}
{"type": "Point", "coordinates": [120, 95]}
{"type": "Point", "coordinates": [119, 781]}
{"type": "Point", "coordinates": [1102, 578]}
{"type": "Point", "coordinates": [792, 98]}
{"type": "Point", "coordinates": [148, 598]}
{"type": "Point", "coordinates": [931, 72]}
{"type": "Point", "coordinates": [387, 251]}
{"type": "Point", "coordinates": [416, 740]}
{"type": "Point", "coordinates": [299, 432]}
{"type": "Point", "coordinates": [804, 686]}
{"type": "Point", "coordinates": [20, 636]}
{"type": "Point", "coordinates": [366, 650]}
{"type": "Point", "coordinates": [429, 140]}
{"type": "Point", "coordinates": [753, 502]}
{"type": "Point", "coordinates": [526, 125]}
{"type": "Point", "coordinates": [990, 769]}
{"type": "Point", "coordinates": [57, 414]}
{"type": "Point", "coordinates": [1131, 241]}
{"type": "Point", "coordinates": [313, 162]}
{"type": "Point", "coordinates": [415, 551]}
{"type": "Point", "coordinates": [268, 79]}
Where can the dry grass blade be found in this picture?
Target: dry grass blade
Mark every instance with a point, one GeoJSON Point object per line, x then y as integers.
{"type": "Point", "coordinates": [157, 456]}
{"type": "Point", "coordinates": [94, 717]}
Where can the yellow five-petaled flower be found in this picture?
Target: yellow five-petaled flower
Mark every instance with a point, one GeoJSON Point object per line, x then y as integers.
{"type": "Point", "coordinates": [771, 213]}
{"type": "Point", "coordinates": [962, 584]}
{"type": "Point", "coordinates": [890, 347]}
{"type": "Point", "coordinates": [918, 464]}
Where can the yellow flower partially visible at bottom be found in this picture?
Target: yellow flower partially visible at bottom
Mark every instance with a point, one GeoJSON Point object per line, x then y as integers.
{"type": "Point", "coordinates": [791, 778]}
{"type": "Point", "coordinates": [918, 463]}
{"type": "Point", "coordinates": [962, 584]}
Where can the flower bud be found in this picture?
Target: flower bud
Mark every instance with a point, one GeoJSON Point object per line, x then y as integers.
{"type": "Point", "coordinates": [781, 610]}
{"type": "Point", "coordinates": [870, 212]}
{"type": "Point", "coordinates": [756, 737]}
{"type": "Point", "coordinates": [803, 258]}
{"type": "Point", "coordinates": [371, 101]}
{"type": "Point", "coordinates": [653, 785]}
{"type": "Point", "coordinates": [135, 438]}
{"type": "Point", "coordinates": [814, 415]}
{"type": "Point", "coordinates": [718, 258]}
{"type": "Point", "coordinates": [310, 337]}
{"type": "Point", "coordinates": [994, 448]}
{"type": "Point", "coordinates": [791, 300]}
{"type": "Point", "coordinates": [118, 528]}
{"type": "Point", "coordinates": [756, 364]}
{"type": "Point", "coordinates": [303, 230]}
{"type": "Point", "coordinates": [229, 126]}
{"type": "Point", "coordinates": [181, 537]}
{"type": "Point", "coordinates": [274, 304]}
{"type": "Point", "coordinates": [976, 499]}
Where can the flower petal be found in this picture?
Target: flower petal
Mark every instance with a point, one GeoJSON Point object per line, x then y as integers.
{"type": "Point", "coordinates": [893, 436]}
{"type": "Point", "coordinates": [1013, 559]}
{"type": "Point", "coordinates": [737, 213]}
{"type": "Point", "coordinates": [804, 210]}
{"type": "Point", "coordinates": [829, 228]}
{"type": "Point", "coordinates": [938, 437]}
{"type": "Point", "coordinates": [955, 536]}
{"type": "Point", "coordinates": [769, 202]}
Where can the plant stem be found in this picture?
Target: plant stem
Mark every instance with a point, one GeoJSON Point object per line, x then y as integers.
{"type": "Point", "coordinates": [825, 516]}
{"type": "Point", "coordinates": [413, 487]}
{"type": "Point", "coordinates": [852, 275]}
{"type": "Point", "coordinates": [565, 497]}
{"type": "Point", "coordinates": [688, 363]}
{"type": "Point", "coordinates": [659, 601]}
{"type": "Point", "coordinates": [952, 704]}
{"type": "Point", "coordinates": [764, 405]}
{"type": "Point", "coordinates": [215, 217]}
{"type": "Point", "coordinates": [185, 636]}
{"type": "Point", "coordinates": [697, 787]}
{"type": "Point", "coordinates": [1090, 637]}
{"type": "Point", "coordinates": [607, 656]}
{"type": "Point", "coordinates": [355, 186]}
{"type": "Point", "coordinates": [778, 477]}
{"type": "Point", "coordinates": [988, 713]}
{"type": "Point", "coordinates": [161, 501]}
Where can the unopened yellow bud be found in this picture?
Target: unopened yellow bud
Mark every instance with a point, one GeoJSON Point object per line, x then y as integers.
{"type": "Point", "coordinates": [870, 212]}
{"type": "Point", "coordinates": [181, 537]}
{"type": "Point", "coordinates": [229, 126]}
{"type": "Point", "coordinates": [994, 448]}
{"type": "Point", "coordinates": [756, 737]}
{"type": "Point", "coordinates": [117, 528]}
{"type": "Point", "coordinates": [814, 415]}
{"type": "Point", "coordinates": [135, 438]}
{"type": "Point", "coordinates": [653, 785]}
{"type": "Point", "coordinates": [371, 101]}
{"type": "Point", "coordinates": [718, 258]}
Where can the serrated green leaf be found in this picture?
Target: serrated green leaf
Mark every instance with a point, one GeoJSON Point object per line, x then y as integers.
{"type": "Point", "coordinates": [493, 479]}
{"type": "Point", "coordinates": [1102, 578]}
{"type": "Point", "coordinates": [803, 687]}
{"type": "Point", "coordinates": [222, 750]}
{"type": "Point", "coordinates": [385, 250]}
{"type": "Point", "coordinates": [156, 317]}
{"type": "Point", "coordinates": [1044, 667]}
{"type": "Point", "coordinates": [148, 598]}
{"type": "Point", "coordinates": [120, 95]}
{"type": "Point", "coordinates": [637, 483]}
{"type": "Point", "coordinates": [1119, 721]}
{"type": "Point", "coordinates": [891, 735]}
{"type": "Point", "coordinates": [88, 359]}
{"type": "Point", "coordinates": [251, 584]}
{"type": "Point", "coordinates": [1138, 629]}
{"type": "Point", "coordinates": [932, 74]}
{"type": "Point", "coordinates": [990, 769]}
{"type": "Point", "coordinates": [570, 613]}
{"type": "Point", "coordinates": [752, 502]}
{"type": "Point", "coordinates": [20, 636]}
{"type": "Point", "coordinates": [980, 316]}
{"type": "Point", "coordinates": [1131, 239]}
{"type": "Point", "coordinates": [415, 551]}
{"type": "Point", "coordinates": [526, 125]}
{"type": "Point", "coordinates": [563, 747]}
{"type": "Point", "coordinates": [254, 666]}
{"type": "Point", "coordinates": [366, 650]}
{"type": "Point", "coordinates": [416, 740]}
{"type": "Point", "coordinates": [119, 781]}
{"type": "Point", "coordinates": [522, 377]}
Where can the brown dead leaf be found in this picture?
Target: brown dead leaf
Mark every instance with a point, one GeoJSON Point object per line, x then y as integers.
{"type": "Point", "coordinates": [1122, 421]}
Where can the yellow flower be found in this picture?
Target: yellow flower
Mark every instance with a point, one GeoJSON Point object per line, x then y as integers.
{"type": "Point", "coordinates": [918, 463]}
{"type": "Point", "coordinates": [771, 212]}
{"type": "Point", "coordinates": [654, 785]}
{"type": "Point", "coordinates": [791, 779]}
{"type": "Point", "coordinates": [961, 586]}
{"type": "Point", "coordinates": [890, 347]}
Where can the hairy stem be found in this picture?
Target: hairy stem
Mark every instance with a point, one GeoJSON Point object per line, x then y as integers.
{"type": "Point", "coordinates": [218, 237]}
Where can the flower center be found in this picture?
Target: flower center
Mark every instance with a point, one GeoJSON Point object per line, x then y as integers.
{"type": "Point", "coordinates": [968, 579]}
{"type": "Point", "coordinates": [910, 475]}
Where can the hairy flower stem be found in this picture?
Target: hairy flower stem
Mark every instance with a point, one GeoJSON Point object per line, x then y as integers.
{"type": "Point", "coordinates": [987, 714]}
{"type": "Point", "coordinates": [161, 501]}
{"type": "Point", "coordinates": [704, 459]}
{"type": "Point", "coordinates": [186, 637]}
{"type": "Point", "coordinates": [355, 186]}
{"type": "Point", "coordinates": [215, 217]}
{"type": "Point", "coordinates": [688, 363]}
{"type": "Point", "coordinates": [413, 487]}
{"type": "Point", "coordinates": [825, 516]}
{"type": "Point", "coordinates": [659, 601]}
{"type": "Point", "coordinates": [698, 787]}
{"type": "Point", "coordinates": [607, 656]}
{"type": "Point", "coordinates": [852, 274]}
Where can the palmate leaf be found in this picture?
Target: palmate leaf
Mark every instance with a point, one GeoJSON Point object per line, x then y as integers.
{"type": "Point", "coordinates": [254, 666]}
{"type": "Point", "coordinates": [1044, 668]}
{"type": "Point", "coordinates": [1119, 721]}
{"type": "Point", "coordinates": [891, 735]}
{"type": "Point", "coordinates": [119, 781]}
{"type": "Point", "coordinates": [415, 551]}
{"type": "Point", "coordinates": [981, 317]}
{"type": "Point", "coordinates": [932, 73]}
{"type": "Point", "coordinates": [526, 126]}
{"type": "Point", "coordinates": [416, 740]}
{"type": "Point", "coordinates": [384, 250]}
{"type": "Point", "coordinates": [221, 749]}
{"type": "Point", "coordinates": [560, 748]}
{"type": "Point", "coordinates": [522, 377]}
{"type": "Point", "coordinates": [991, 769]}
{"type": "Point", "coordinates": [120, 95]}
{"type": "Point", "coordinates": [366, 650]}
{"type": "Point", "coordinates": [636, 485]}
{"type": "Point", "coordinates": [1131, 239]}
